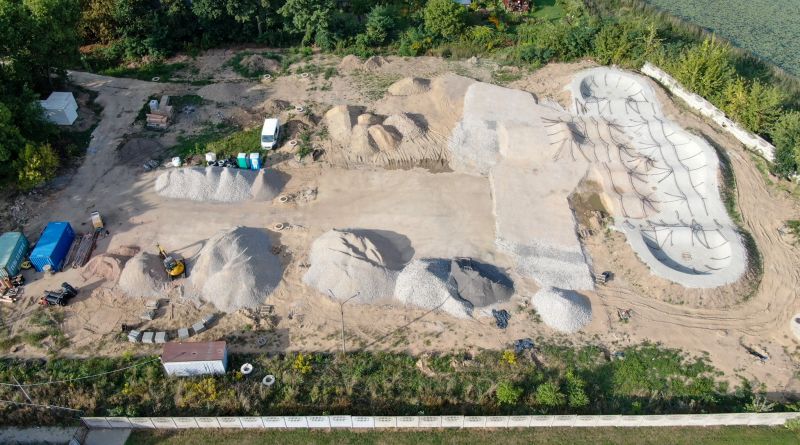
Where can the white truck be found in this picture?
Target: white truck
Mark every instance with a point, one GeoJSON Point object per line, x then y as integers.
{"type": "Point", "coordinates": [270, 133]}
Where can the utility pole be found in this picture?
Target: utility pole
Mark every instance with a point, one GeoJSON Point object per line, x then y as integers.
{"type": "Point", "coordinates": [341, 311]}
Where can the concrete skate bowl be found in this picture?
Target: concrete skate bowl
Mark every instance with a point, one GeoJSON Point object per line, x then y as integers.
{"type": "Point", "coordinates": [693, 256]}
{"type": "Point", "coordinates": [612, 91]}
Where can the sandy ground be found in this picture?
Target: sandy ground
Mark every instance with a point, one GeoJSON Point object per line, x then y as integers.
{"type": "Point", "coordinates": [443, 214]}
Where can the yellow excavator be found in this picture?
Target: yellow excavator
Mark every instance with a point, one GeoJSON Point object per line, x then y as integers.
{"type": "Point", "coordinates": [175, 267]}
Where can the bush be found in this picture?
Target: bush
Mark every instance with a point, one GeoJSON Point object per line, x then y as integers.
{"type": "Point", "coordinates": [548, 395]}
{"type": "Point", "coordinates": [445, 18]}
{"type": "Point", "coordinates": [36, 165]}
{"type": "Point", "coordinates": [414, 42]}
{"type": "Point", "coordinates": [626, 44]}
{"type": "Point", "coordinates": [786, 137]}
{"type": "Point", "coordinates": [508, 394]}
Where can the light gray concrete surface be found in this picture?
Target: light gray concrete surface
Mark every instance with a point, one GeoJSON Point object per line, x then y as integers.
{"type": "Point", "coordinates": [107, 437]}
{"type": "Point", "coordinates": [39, 435]}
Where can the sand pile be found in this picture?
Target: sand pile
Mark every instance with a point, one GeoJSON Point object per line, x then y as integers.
{"type": "Point", "coordinates": [104, 266]}
{"type": "Point", "coordinates": [350, 63]}
{"type": "Point", "coordinates": [144, 276]}
{"type": "Point", "coordinates": [374, 62]}
{"type": "Point", "coordinates": [260, 64]}
{"type": "Point", "coordinates": [426, 283]}
{"type": "Point", "coordinates": [384, 138]}
{"type": "Point", "coordinates": [348, 262]}
{"type": "Point", "coordinates": [480, 284]}
{"type": "Point", "coordinates": [404, 125]}
{"type": "Point", "coordinates": [340, 121]}
{"type": "Point", "coordinates": [409, 86]}
{"type": "Point", "coordinates": [563, 310]}
{"type": "Point", "coordinates": [235, 269]}
{"type": "Point", "coordinates": [218, 184]}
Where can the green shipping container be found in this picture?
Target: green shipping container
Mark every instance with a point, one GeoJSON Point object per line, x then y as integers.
{"type": "Point", "coordinates": [13, 249]}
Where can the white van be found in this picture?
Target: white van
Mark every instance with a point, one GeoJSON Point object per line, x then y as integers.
{"type": "Point", "coordinates": [270, 133]}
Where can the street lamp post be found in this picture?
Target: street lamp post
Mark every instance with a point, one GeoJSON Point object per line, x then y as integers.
{"type": "Point", "coordinates": [341, 311]}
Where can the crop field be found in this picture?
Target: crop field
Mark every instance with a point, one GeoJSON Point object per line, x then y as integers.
{"type": "Point", "coordinates": [768, 28]}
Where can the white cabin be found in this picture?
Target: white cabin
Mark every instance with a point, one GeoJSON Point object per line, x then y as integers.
{"type": "Point", "coordinates": [60, 108]}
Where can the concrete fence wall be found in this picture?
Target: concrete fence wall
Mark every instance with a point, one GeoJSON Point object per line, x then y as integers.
{"type": "Point", "coordinates": [751, 141]}
{"type": "Point", "coordinates": [376, 422]}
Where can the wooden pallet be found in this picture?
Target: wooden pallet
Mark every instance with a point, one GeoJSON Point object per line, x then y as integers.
{"type": "Point", "coordinates": [85, 249]}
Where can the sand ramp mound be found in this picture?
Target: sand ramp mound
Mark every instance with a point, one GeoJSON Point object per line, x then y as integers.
{"type": "Point", "coordinates": [105, 266]}
{"type": "Point", "coordinates": [409, 86]}
{"type": "Point", "coordinates": [218, 184]}
{"type": "Point", "coordinates": [563, 310]}
{"type": "Point", "coordinates": [347, 263]}
{"type": "Point", "coordinates": [144, 276]}
{"type": "Point", "coordinates": [235, 269]}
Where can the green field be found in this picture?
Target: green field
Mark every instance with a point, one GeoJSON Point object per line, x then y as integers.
{"type": "Point", "coordinates": [565, 436]}
{"type": "Point", "coordinates": [767, 28]}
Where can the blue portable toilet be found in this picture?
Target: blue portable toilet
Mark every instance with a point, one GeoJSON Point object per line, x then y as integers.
{"type": "Point", "coordinates": [255, 161]}
{"type": "Point", "coordinates": [53, 246]}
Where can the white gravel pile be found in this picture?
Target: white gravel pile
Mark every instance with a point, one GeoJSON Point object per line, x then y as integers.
{"type": "Point", "coordinates": [347, 263]}
{"type": "Point", "coordinates": [144, 276]}
{"type": "Point", "coordinates": [235, 269]}
{"type": "Point", "coordinates": [474, 146]}
{"type": "Point", "coordinates": [563, 310]}
{"type": "Point", "coordinates": [217, 184]}
{"type": "Point", "coordinates": [550, 265]}
{"type": "Point", "coordinates": [426, 284]}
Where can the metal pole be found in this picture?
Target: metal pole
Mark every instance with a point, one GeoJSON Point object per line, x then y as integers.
{"type": "Point", "coordinates": [341, 311]}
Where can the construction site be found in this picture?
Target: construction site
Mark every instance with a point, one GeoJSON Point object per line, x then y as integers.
{"type": "Point", "coordinates": [435, 211]}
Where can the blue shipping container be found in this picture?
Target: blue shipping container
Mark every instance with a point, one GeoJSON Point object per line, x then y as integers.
{"type": "Point", "coordinates": [53, 246]}
{"type": "Point", "coordinates": [13, 249]}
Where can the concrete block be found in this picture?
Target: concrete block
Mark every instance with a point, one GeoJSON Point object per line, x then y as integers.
{"type": "Point", "coordinates": [147, 337]}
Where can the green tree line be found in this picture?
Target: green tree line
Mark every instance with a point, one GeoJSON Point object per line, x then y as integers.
{"type": "Point", "coordinates": [40, 38]}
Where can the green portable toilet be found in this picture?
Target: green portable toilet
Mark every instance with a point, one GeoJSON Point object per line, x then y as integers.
{"type": "Point", "coordinates": [242, 161]}
{"type": "Point", "coordinates": [13, 250]}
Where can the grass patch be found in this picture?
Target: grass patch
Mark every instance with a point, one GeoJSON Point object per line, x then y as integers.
{"type": "Point", "coordinates": [163, 71]}
{"type": "Point", "coordinates": [235, 63]}
{"type": "Point", "coordinates": [222, 139]}
{"type": "Point", "coordinates": [794, 228]}
{"type": "Point", "coordinates": [561, 436]}
{"type": "Point", "coordinates": [373, 85]}
{"type": "Point", "coordinates": [549, 10]}
{"type": "Point", "coordinates": [179, 102]}
{"type": "Point", "coordinates": [506, 75]}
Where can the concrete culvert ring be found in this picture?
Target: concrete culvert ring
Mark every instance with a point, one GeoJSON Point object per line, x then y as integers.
{"type": "Point", "coordinates": [293, 142]}
{"type": "Point", "coordinates": [246, 369]}
{"type": "Point", "coordinates": [795, 324]}
{"type": "Point", "coordinates": [299, 109]}
{"type": "Point", "coordinates": [268, 380]}
{"type": "Point", "coordinates": [262, 341]}
{"type": "Point", "coordinates": [267, 76]}
{"type": "Point", "coordinates": [279, 226]}
{"type": "Point", "coordinates": [304, 75]}
{"type": "Point", "coordinates": [283, 199]}
{"type": "Point", "coordinates": [156, 79]}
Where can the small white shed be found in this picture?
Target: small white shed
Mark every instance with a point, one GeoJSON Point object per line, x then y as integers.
{"type": "Point", "coordinates": [195, 358]}
{"type": "Point", "coordinates": [60, 108]}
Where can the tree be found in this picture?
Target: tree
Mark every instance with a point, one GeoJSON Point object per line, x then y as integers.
{"type": "Point", "coordinates": [705, 69]}
{"type": "Point", "coordinates": [380, 24]}
{"type": "Point", "coordinates": [445, 18]}
{"type": "Point", "coordinates": [36, 165]}
{"type": "Point", "coordinates": [548, 395]}
{"type": "Point", "coordinates": [97, 23]}
{"type": "Point", "coordinates": [508, 394]}
{"type": "Point", "coordinates": [245, 11]}
{"type": "Point", "coordinates": [10, 139]}
{"type": "Point", "coordinates": [756, 106]}
{"type": "Point", "coordinates": [786, 137]}
{"type": "Point", "coordinates": [307, 17]}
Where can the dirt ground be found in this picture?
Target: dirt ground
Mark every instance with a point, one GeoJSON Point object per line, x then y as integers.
{"type": "Point", "coordinates": [443, 214]}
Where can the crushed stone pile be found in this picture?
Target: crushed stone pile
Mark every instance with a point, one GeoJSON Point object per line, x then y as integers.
{"type": "Point", "coordinates": [563, 310]}
{"type": "Point", "coordinates": [479, 283]}
{"type": "Point", "coordinates": [409, 86]}
{"type": "Point", "coordinates": [426, 283]}
{"type": "Point", "coordinates": [218, 184]}
{"type": "Point", "coordinates": [236, 269]}
{"type": "Point", "coordinates": [349, 262]}
{"type": "Point", "coordinates": [144, 276]}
